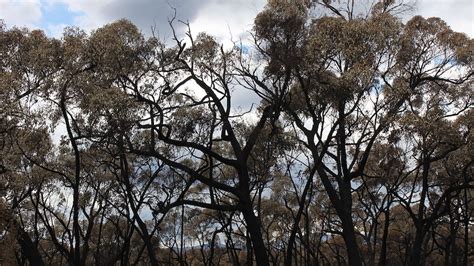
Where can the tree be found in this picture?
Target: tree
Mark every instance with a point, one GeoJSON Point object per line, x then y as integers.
{"type": "Point", "coordinates": [351, 81]}
{"type": "Point", "coordinates": [118, 148]}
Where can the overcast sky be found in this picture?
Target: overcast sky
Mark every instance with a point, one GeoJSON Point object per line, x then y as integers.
{"type": "Point", "coordinates": [222, 18]}
{"type": "Point", "coordinates": [228, 20]}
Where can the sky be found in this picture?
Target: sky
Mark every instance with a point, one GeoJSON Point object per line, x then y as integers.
{"type": "Point", "coordinates": [225, 19]}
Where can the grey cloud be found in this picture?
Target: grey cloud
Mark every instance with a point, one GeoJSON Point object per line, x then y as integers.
{"type": "Point", "coordinates": [13, 13]}
{"type": "Point", "coordinates": [149, 13]}
{"type": "Point", "coordinates": [458, 14]}
{"type": "Point", "coordinates": [232, 14]}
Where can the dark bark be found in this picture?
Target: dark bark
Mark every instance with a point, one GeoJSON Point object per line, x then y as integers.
{"type": "Point", "coordinates": [146, 237]}
{"type": "Point", "coordinates": [75, 184]}
{"type": "Point", "coordinates": [349, 236]}
{"type": "Point", "coordinates": [417, 248]}
{"type": "Point", "coordinates": [343, 206]}
{"type": "Point", "coordinates": [466, 225]}
{"type": "Point", "coordinates": [254, 229]}
{"type": "Point", "coordinates": [29, 249]}
{"type": "Point", "coordinates": [383, 248]}
{"type": "Point", "coordinates": [296, 220]}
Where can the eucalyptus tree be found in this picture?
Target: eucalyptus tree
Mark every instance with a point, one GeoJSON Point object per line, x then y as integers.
{"type": "Point", "coordinates": [195, 133]}
{"type": "Point", "coordinates": [352, 80]}
{"type": "Point", "coordinates": [360, 118]}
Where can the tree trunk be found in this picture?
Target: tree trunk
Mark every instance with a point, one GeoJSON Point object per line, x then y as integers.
{"type": "Point", "coordinates": [254, 225]}
{"type": "Point", "coordinates": [349, 236]}
{"type": "Point", "coordinates": [254, 229]}
{"type": "Point", "coordinates": [29, 249]}
{"type": "Point", "coordinates": [466, 228]}
{"type": "Point", "coordinates": [146, 237]}
{"type": "Point", "coordinates": [383, 249]}
{"type": "Point", "coordinates": [76, 184]}
{"type": "Point", "coordinates": [343, 206]}
{"type": "Point", "coordinates": [296, 220]}
{"type": "Point", "coordinates": [344, 211]}
{"type": "Point", "coordinates": [415, 256]}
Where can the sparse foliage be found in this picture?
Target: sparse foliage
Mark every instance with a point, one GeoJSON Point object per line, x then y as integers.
{"type": "Point", "coordinates": [116, 148]}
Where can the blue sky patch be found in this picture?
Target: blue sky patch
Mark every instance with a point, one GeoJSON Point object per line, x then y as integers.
{"type": "Point", "coordinates": [56, 14]}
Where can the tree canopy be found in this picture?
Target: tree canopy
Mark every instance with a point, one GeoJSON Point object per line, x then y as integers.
{"type": "Point", "coordinates": [116, 147]}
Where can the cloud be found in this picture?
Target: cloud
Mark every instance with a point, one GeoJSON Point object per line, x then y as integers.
{"type": "Point", "coordinates": [214, 16]}
{"type": "Point", "coordinates": [226, 18]}
{"type": "Point", "coordinates": [222, 18]}
{"type": "Point", "coordinates": [56, 30]}
{"type": "Point", "coordinates": [22, 13]}
{"type": "Point", "coordinates": [459, 14]}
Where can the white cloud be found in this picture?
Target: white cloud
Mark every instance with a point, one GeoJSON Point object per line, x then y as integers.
{"type": "Point", "coordinates": [213, 16]}
{"type": "Point", "coordinates": [23, 13]}
{"type": "Point", "coordinates": [90, 12]}
{"type": "Point", "coordinates": [227, 20]}
{"type": "Point", "coordinates": [218, 17]}
{"type": "Point", "coordinates": [221, 18]}
{"type": "Point", "coordinates": [56, 30]}
{"type": "Point", "coordinates": [458, 14]}
{"type": "Point", "coordinates": [144, 13]}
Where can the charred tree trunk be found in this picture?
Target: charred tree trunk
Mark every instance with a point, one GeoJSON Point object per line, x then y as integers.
{"type": "Point", "coordinates": [146, 237]}
{"type": "Point", "coordinates": [349, 236]}
{"type": "Point", "coordinates": [417, 248]}
{"type": "Point", "coordinates": [254, 229]}
{"type": "Point", "coordinates": [75, 184]}
{"type": "Point", "coordinates": [383, 249]}
{"type": "Point", "coordinates": [29, 249]}
{"type": "Point", "coordinates": [296, 220]}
